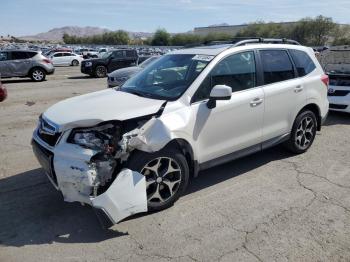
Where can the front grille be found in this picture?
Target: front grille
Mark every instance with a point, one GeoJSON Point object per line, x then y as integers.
{"type": "Point", "coordinates": [49, 139]}
{"type": "Point", "coordinates": [339, 93]}
{"type": "Point", "coordinates": [335, 106]}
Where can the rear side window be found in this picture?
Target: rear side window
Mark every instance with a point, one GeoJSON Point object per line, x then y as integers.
{"type": "Point", "coordinates": [303, 62]}
{"type": "Point", "coordinates": [31, 54]}
{"type": "Point", "coordinates": [277, 66]}
{"type": "Point", "coordinates": [19, 55]}
{"type": "Point", "coordinates": [58, 55]}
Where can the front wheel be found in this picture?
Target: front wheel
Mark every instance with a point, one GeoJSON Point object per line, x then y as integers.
{"type": "Point", "coordinates": [303, 132]}
{"type": "Point", "coordinates": [167, 175]}
{"type": "Point", "coordinates": [38, 74]}
{"type": "Point", "coordinates": [100, 71]}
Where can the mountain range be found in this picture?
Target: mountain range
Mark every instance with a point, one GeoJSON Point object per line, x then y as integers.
{"type": "Point", "coordinates": [56, 34]}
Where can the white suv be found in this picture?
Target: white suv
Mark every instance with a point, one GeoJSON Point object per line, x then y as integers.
{"type": "Point", "coordinates": [133, 149]}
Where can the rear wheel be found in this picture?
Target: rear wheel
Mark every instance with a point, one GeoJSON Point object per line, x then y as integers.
{"type": "Point", "coordinates": [37, 74]}
{"type": "Point", "coordinates": [167, 175]}
{"type": "Point", "coordinates": [100, 71]}
{"type": "Point", "coordinates": [303, 132]}
{"type": "Point", "coordinates": [75, 63]}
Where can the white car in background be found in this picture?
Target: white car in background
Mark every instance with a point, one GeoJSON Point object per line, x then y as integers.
{"type": "Point", "coordinates": [66, 58]}
{"type": "Point", "coordinates": [339, 91]}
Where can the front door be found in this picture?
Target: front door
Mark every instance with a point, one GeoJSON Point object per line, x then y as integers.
{"type": "Point", "coordinates": [235, 124]}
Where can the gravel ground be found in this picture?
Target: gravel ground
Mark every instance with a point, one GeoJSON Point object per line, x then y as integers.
{"type": "Point", "coordinates": [271, 206]}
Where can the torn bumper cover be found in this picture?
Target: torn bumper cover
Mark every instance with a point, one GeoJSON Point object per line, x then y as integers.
{"type": "Point", "coordinates": [74, 171]}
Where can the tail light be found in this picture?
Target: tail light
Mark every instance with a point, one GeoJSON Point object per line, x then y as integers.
{"type": "Point", "coordinates": [325, 80]}
{"type": "Point", "coordinates": [47, 61]}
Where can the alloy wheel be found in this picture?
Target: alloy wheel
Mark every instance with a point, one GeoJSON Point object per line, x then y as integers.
{"type": "Point", "coordinates": [38, 75]}
{"type": "Point", "coordinates": [163, 177]}
{"type": "Point", "coordinates": [305, 132]}
{"type": "Point", "coordinates": [101, 71]}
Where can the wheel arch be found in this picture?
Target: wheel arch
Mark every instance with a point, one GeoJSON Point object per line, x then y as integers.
{"type": "Point", "coordinates": [185, 147]}
{"type": "Point", "coordinates": [34, 67]}
{"type": "Point", "coordinates": [316, 110]}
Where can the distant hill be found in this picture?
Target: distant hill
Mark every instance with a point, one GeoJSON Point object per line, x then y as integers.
{"type": "Point", "coordinates": [56, 34]}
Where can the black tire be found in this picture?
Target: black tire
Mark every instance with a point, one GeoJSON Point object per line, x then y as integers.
{"type": "Point", "coordinates": [139, 161]}
{"type": "Point", "coordinates": [100, 71]}
{"type": "Point", "coordinates": [303, 132]}
{"type": "Point", "coordinates": [75, 62]}
{"type": "Point", "coordinates": [37, 74]}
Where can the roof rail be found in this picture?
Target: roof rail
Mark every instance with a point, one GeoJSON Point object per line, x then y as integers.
{"type": "Point", "coordinates": [266, 41]}
{"type": "Point", "coordinates": [240, 41]}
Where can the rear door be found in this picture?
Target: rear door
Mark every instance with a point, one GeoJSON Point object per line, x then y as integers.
{"type": "Point", "coordinates": [4, 64]}
{"type": "Point", "coordinates": [67, 58]}
{"type": "Point", "coordinates": [20, 63]}
{"type": "Point", "coordinates": [57, 59]}
{"type": "Point", "coordinates": [117, 60]}
{"type": "Point", "coordinates": [283, 93]}
{"type": "Point", "coordinates": [131, 58]}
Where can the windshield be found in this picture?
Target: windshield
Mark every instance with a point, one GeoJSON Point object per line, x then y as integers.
{"type": "Point", "coordinates": [107, 54]}
{"type": "Point", "coordinates": [167, 78]}
{"type": "Point", "coordinates": [148, 61]}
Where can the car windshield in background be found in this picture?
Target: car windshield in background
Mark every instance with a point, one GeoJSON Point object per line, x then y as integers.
{"type": "Point", "coordinates": [148, 61]}
{"type": "Point", "coordinates": [167, 78]}
{"type": "Point", "coordinates": [105, 55]}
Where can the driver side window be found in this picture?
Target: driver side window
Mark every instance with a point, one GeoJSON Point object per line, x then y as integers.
{"type": "Point", "coordinates": [237, 71]}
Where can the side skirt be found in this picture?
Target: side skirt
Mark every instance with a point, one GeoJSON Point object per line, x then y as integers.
{"type": "Point", "coordinates": [243, 152]}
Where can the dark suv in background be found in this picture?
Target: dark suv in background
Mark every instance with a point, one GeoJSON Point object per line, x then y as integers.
{"type": "Point", "coordinates": [110, 61]}
{"type": "Point", "coordinates": [18, 63]}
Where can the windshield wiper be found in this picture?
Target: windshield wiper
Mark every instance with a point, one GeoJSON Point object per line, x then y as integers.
{"type": "Point", "coordinates": [133, 91]}
{"type": "Point", "coordinates": [143, 94]}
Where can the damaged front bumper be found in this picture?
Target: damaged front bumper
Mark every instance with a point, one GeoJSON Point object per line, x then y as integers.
{"type": "Point", "coordinates": [76, 172]}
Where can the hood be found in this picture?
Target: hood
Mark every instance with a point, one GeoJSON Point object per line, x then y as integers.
{"type": "Point", "coordinates": [94, 108]}
{"type": "Point", "coordinates": [127, 71]}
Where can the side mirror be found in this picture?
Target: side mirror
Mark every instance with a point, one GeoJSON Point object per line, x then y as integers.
{"type": "Point", "coordinates": [219, 92]}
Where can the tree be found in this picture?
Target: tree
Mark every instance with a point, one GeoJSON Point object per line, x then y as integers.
{"type": "Point", "coordinates": [266, 30]}
{"type": "Point", "coordinates": [314, 31]}
{"type": "Point", "coordinates": [185, 39]}
{"type": "Point", "coordinates": [119, 37]}
{"type": "Point", "coordinates": [161, 38]}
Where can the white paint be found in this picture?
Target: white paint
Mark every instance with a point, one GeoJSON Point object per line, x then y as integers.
{"type": "Point", "coordinates": [125, 197]}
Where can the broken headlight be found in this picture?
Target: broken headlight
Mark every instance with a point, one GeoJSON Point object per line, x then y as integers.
{"type": "Point", "coordinates": [103, 137]}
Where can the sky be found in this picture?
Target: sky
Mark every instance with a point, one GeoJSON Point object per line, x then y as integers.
{"type": "Point", "coordinates": [28, 17]}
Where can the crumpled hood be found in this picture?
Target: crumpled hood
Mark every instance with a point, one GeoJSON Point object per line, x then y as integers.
{"type": "Point", "coordinates": [94, 108]}
{"type": "Point", "coordinates": [127, 71]}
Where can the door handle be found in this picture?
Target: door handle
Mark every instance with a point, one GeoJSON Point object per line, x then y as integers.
{"type": "Point", "coordinates": [257, 101]}
{"type": "Point", "coordinates": [298, 89]}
